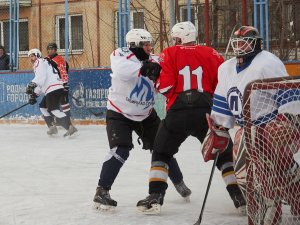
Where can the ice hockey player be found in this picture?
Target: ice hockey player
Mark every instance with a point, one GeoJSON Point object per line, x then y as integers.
{"type": "Point", "coordinates": [252, 63]}
{"type": "Point", "coordinates": [62, 67]}
{"type": "Point", "coordinates": [188, 79]}
{"type": "Point", "coordinates": [130, 108]}
{"type": "Point", "coordinates": [47, 82]}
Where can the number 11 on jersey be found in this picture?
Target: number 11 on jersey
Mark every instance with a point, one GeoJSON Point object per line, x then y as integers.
{"type": "Point", "coordinates": [187, 74]}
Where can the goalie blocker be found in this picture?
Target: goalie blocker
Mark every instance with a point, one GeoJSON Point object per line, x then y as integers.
{"type": "Point", "coordinates": [216, 140]}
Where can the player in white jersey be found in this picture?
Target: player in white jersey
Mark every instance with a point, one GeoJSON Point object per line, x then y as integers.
{"type": "Point", "coordinates": [251, 63]}
{"type": "Point", "coordinates": [130, 108]}
{"type": "Point", "coordinates": [46, 82]}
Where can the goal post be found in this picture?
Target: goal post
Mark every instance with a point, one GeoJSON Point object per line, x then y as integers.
{"type": "Point", "coordinates": [271, 109]}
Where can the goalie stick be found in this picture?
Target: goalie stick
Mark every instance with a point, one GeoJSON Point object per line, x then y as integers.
{"type": "Point", "coordinates": [94, 113]}
{"type": "Point", "coordinates": [16, 109]}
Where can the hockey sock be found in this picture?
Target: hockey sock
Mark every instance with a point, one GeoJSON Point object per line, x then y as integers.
{"type": "Point", "coordinates": [112, 165]}
{"type": "Point", "coordinates": [61, 118]}
{"type": "Point", "coordinates": [228, 174]}
{"type": "Point", "coordinates": [158, 177]}
{"type": "Point", "coordinates": [174, 172]}
{"type": "Point", "coordinates": [49, 120]}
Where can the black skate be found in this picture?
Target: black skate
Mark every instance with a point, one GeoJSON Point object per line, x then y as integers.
{"type": "Point", "coordinates": [70, 131]}
{"type": "Point", "coordinates": [238, 199]}
{"type": "Point", "coordinates": [103, 201]}
{"type": "Point", "coordinates": [151, 204]}
{"type": "Point", "coordinates": [52, 130]}
{"type": "Point", "coordinates": [183, 190]}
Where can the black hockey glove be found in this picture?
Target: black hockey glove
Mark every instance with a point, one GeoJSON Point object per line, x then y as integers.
{"type": "Point", "coordinates": [32, 99]}
{"type": "Point", "coordinates": [30, 88]}
{"type": "Point", "coordinates": [151, 70]}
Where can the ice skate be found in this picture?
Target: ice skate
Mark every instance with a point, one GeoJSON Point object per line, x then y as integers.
{"type": "Point", "coordinates": [151, 205]}
{"type": "Point", "coordinates": [103, 201]}
{"type": "Point", "coordinates": [70, 131]}
{"type": "Point", "coordinates": [52, 130]}
{"type": "Point", "coordinates": [183, 190]}
{"type": "Point", "coordinates": [238, 199]}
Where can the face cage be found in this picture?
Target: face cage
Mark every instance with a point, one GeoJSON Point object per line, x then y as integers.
{"type": "Point", "coordinates": [243, 46]}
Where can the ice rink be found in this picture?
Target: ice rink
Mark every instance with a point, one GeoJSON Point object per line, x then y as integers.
{"type": "Point", "coordinates": [51, 181]}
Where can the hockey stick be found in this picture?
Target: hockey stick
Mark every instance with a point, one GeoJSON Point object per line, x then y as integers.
{"type": "Point", "coordinates": [94, 113]}
{"type": "Point", "coordinates": [207, 189]}
{"type": "Point", "coordinates": [16, 109]}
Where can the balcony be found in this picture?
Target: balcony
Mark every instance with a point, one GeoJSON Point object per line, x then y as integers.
{"type": "Point", "coordinates": [23, 3]}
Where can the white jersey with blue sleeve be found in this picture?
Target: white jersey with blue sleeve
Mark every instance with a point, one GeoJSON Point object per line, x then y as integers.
{"type": "Point", "coordinates": [228, 97]}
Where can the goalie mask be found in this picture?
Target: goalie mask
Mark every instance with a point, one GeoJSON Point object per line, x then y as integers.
{"type": "Point", "coordinates": [185, 31]}
{"type": "Point", "coordinates": [246, 42]}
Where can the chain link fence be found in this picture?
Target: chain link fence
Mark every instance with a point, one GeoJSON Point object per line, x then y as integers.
{"type": "Point", "coordinates": [93, 26]}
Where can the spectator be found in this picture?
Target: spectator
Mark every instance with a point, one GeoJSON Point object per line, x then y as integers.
{"type": "Point", "coordinates": [4, 59]}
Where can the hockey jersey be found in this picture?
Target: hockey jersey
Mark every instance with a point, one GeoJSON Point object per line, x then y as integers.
{"type": "Point", "coordinates": [130, 93]}
{"type": "Point", "coordinates": [60, 65]}
{"type": "Point", "coordinates": [46, 77]}
{"type": "Point", "coordinates": [228, 97]}
{"type": "Point", "coordinates": [188, 68]}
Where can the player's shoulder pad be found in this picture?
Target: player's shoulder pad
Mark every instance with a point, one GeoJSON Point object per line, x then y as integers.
{"type": "Point", "coordinates": [124, 51]}
{"type": "Point", "coordinates": [38, 62]}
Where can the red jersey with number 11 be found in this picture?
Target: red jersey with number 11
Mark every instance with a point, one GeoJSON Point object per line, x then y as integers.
{"type": "Point", "coordinates": [188, 68]}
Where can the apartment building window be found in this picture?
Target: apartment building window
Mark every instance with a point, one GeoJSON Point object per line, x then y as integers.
{"type": "Point", "coordinates": [75, 32]}
{"type": "Point", "coordinates": [23, 35]}
{"type": "Point", "coordinates": [197, 14]}
{"type": "Point", "coordinates": [184, 14]}
{"type": "Point", "coordinates": [137, 20]}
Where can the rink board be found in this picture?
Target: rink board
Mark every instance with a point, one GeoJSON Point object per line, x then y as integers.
{"type": "Point", "coordinates": [88, 95]}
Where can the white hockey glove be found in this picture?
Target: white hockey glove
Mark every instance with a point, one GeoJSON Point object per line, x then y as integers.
{"type": "Point", "coordinates": [216, 140]}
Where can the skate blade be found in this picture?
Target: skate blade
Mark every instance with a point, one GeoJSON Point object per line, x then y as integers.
{"type": "Point", "coordinates": [242, 210]}
{"type": "Point", "coordinates": [76, 134]}
{"type": "Point", "coordinates": [154, 210]}
{"type": "Point", "coordinates": [104, 208]}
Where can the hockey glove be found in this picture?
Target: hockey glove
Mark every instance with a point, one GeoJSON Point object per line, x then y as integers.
{"type": "Point", "coordinates": [30, 88]}
{"type": "Point", "coordinates": [32, 99]}
{"type": "Point", "coordinates": [151, 70]}
{"type": "Point", "coordinates": [216, 140]}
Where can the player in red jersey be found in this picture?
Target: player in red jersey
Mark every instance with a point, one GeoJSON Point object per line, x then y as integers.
{"type": "Point", "coordinates": [188, 79]}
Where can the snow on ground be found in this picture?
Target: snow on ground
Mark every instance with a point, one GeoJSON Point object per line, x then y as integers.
{"type": "Point", "coordinates": [51, 181]}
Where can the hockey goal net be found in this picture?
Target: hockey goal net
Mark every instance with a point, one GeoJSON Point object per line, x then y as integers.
{"type": "Point", "coordinates": [271, 112]}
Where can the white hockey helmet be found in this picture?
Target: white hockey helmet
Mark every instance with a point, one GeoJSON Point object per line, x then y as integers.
{"type": "Point", "coordinates": [137, 37]}
{"type": "Point", "coordinates": [35, 52]}
{"type": "Point", "coordinates": [186, 31]}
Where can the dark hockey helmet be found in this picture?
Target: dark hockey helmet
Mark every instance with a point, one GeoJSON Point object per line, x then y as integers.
{"type": "Point", "coordinates": [52, 45]}
{"type": "Point", "coordinates": [246, 41]}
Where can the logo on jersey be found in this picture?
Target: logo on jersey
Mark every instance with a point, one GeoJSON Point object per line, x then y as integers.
{"type": "Point", "coordinates": [235, 102]}
{"type": "Point", "coordinates": [142, 94]}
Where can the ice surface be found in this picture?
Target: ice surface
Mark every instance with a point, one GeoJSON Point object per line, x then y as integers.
{"type": "Point", "coordinates": [51, 181]}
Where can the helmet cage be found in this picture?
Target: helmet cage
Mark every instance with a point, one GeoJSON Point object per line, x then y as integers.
{"type": "Point", "coordinates": [243, 46]}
